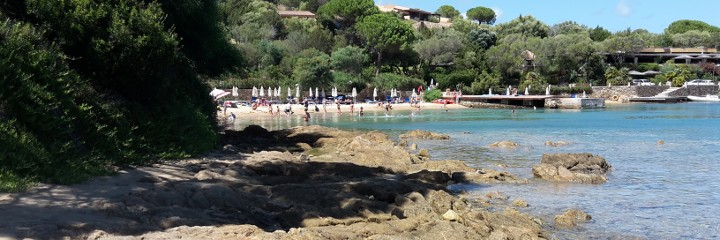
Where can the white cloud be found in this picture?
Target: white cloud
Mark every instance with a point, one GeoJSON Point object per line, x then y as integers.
{"type": "Point", "coordinates": [498, 12]}
{"type": "Point", "coordinates": [622, 8]}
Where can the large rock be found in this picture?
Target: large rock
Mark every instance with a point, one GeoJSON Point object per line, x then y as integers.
{"type": "Point", "coordinates": [556, 144]}
{"type": "Point", "coordinates": [571, 218]}
{"type": "Point", "coordinates": [572, 167]}
{"type": "Point", "coordinates": [486, 176]}
{"type": "Point", "coordinates": [430, 176]}
{"type": "Point", "coordinates": [420, 134]}
{"type": "Point", "coordinates": [504, 144]}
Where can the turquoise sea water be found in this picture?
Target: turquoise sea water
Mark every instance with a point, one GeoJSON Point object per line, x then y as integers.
{"type": "Point", "coordinates": [668, 191]}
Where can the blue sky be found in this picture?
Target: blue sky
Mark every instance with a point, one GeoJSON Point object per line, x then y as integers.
{"type": "Point", "coordinates": [614, 15]}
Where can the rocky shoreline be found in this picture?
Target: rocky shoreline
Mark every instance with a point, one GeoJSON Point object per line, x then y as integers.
{"type": "Point", "coordinates": [301, 183]}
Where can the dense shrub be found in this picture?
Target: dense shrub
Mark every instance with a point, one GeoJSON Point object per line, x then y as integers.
{"type": "Point", "coordinates": [432, 95]}
{"type": "Point", "coordinates": [391, 80]}
{"type": "Point", "coordinates": [86, 85]}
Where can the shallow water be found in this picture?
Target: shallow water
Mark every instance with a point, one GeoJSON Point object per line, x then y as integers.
{"type": "Point", "coordinates": [667, 191]}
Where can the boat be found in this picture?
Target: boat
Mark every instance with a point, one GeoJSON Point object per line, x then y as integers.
{"type": "Point", "coordinates": [706, 98]}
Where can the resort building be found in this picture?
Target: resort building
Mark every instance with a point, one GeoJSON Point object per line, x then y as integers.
{"type": "Point", "coordinates": [297, 14]}
{"type": "Point", "coordinates": [661, 55]}
{"type": "Point", "coordinates": [420, 17]}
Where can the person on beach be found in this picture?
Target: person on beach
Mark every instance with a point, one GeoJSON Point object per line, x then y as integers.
{"type": "Point", "coordinates": [232, 117]}
{"type": "Point", "coordinates": [352, 108]}
{"type": "Point", "coordinates": [270, 110]}
{"type": "Point", "coordinates": [307, 104]}
{"type": "Point", "coordinates": [277, 109]}
{"type": "Point", "coordinates": [316, 108]}
{"type": "Point", "coordinates": [325, 107]}
{"type": "Point", "coordinates": [288, 110]}
{"type": "Point", "coordinates": [307, 116]}
{"type": "Point", "coordinates": [361, 111]}
{"type": "Point", "coordinates": [338, 107]}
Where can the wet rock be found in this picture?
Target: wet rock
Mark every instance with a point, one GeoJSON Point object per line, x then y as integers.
{"type": "Point", "coordinates": [504, 144]}
{"type": "Point", "coordinates": [520, 203]}
{"type": "Point", "coordinates": [486, 176]}
{"type": "Point", "coordinates": [420, 134]}
{"type": "Point", "coordinates": [448, 166]}
{"type": "Point", "coordinates": [413, 146]}
{"type": "Point", "coordinates": [572, 167]}
{"type": "Point", "coordinates": [496, 195]}
{"type": "Point", "coordinates": [556, 144]}
{"type": "Point", "coordinates": [430, 176]}
{"type": "Point", "coordinates": [571, 218]}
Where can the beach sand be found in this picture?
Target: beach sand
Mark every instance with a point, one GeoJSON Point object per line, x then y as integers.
{"type": "Point", "coordinates": [246, 112]}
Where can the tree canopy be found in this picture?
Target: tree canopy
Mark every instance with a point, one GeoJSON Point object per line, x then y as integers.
{"type": "Point", "coordinates": [384, 32]}
{"type": "Point", "coordinates": [348, 12]}
{"type": "Point", "coordinates": [482, 15]}
{"type": "Point", "coordinates": [527, 26]}
{"type": "Point", "coordinates": [682, 26]}
{"type": "Point", "coordinates": [448, 11]}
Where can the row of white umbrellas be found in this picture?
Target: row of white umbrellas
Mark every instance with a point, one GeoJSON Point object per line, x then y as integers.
{"type": "Point", "coordinates": [527, 90]}
{"type": "Point", "coordinates": [276, 92]}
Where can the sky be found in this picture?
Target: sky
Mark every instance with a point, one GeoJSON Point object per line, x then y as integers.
{"type": "Point", "coordinates": [613, 15]}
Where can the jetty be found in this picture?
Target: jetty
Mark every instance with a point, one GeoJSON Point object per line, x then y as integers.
{"type": "Point", "coordinates": [539, 101]}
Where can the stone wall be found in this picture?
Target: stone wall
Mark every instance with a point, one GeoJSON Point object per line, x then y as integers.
{"type": "Point", "coordinates": [649, 91]}
{"type": "Point", "coordinates": [695, 91]}
{"type": "Point", "coordinates": [575, 103]}
{"type": "Point", "coordinates": [622, 92]}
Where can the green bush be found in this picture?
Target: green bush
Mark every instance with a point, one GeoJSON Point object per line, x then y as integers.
{"type": "Point", "coordinates": [400, 82]}
{"type": "Point", "coordinates": [87, 85]}
{"type": "Point", "coordinates": [453, 79]}
{"type": "Point", "coordinates": [431, 95]}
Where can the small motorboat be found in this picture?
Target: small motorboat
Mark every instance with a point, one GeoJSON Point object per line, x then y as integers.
{"type": "Point", "coordinates": [706, 98]}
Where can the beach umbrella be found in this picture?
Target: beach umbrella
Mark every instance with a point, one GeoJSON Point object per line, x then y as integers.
{"type": "Point", "coordinates": [297, 92]}
{"type": "Point", "coordinates": [270, 92]}
{"type": "Point", "coordinates": [584, 96]}
{"type": "Point", "coordinates": [262, 91]}
{"type": "Point", "coordinates": [215, 92]}
{"type": "Point", "coordinates": [432, 80]}
{"type": "Point", "coordinates": [334, 92]}
{"type": "Point", "coordinates": [490, 91]}
{"type": "Point", "coordinates": [277, 92]}
{"type": "Point", "coordinates": [354, 94]}
{"type": "Point", "coordinates": [218, 93]}
{"type": "Point", "coordinates": [310, 93]}
{"type": "Point", "coordinates": [323, 93]}
{"type": "Point", "coordinates": [317, 93]}
{"type": "Point", "coordinates": [289, 93]}
{"type": "Point", "coordinates": [527, 91]}
{"type": "Point", "coordinates": [254, 92]}
{"type": "Point", "coordinates": [374, 94]}
{"type": "Point", "coordinates": [547, 90]}
{"type": "Point", "coordinates": [234, 91]}
{"type": "Point", "coordinates": [508, 90]}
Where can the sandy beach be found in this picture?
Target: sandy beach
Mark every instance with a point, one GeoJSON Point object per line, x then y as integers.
{"type": "Point", "coordinates": [246, 112]}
